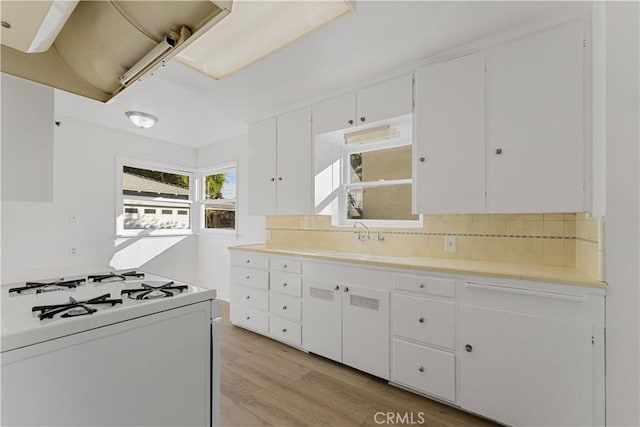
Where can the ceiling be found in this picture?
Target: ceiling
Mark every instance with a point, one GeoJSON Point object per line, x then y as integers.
{"type": "Point", "coordinates": [381, 36]}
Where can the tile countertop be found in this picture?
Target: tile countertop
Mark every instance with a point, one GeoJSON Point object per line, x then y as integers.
{"type": "Point", "coordinates": [539, 273]}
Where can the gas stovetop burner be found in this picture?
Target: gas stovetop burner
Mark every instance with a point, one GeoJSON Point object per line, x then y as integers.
{"type": "Point", "coordinates": [74, 308]}
{"type": "Point", "coordinates": [115, 277]}
{"type": "Point", "coordinates": [165, 290]}
{"type": "Point", "coordinates": [56, 285]}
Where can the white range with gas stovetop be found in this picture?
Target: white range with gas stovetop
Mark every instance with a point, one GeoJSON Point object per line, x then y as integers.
{"type": "Point", "coordinates": [111, 349]}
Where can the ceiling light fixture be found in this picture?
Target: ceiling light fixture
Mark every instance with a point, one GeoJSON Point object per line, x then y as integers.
{"type": "Point", "coordinates": [256, 29]}
{"type": "Point", "coordinates": [141, 120]}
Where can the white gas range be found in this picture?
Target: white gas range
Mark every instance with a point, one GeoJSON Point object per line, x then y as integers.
{"type": "Point", "coordinates": [123, 348]}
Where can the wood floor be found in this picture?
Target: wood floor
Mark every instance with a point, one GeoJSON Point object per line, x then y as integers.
{"type": "Point", "coordinates": [266, 383]}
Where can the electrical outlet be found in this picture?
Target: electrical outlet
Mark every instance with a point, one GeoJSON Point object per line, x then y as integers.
{"type": "Point", "coordinates": [449, 243]}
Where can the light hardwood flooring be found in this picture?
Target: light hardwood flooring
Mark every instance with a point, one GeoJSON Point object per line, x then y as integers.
{"type": "Point", "coordinates": [267, 383]}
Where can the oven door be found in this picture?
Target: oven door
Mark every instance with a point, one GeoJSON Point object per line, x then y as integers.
{"type": "Point", "coordinates": [148, 371]}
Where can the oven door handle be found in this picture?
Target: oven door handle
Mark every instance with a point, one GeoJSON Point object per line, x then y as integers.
{"type": "Point", "coordinates": [216, 324]}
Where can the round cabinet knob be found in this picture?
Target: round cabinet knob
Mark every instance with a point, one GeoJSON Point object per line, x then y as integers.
{"type": "Point", "coordinates": [248, 317]}
{"type": "Point", "coordinates": [422, 159]}
{"type": "Point", "coordinates": [284, 265]}
{"type": "Point", "coordinates": [421, 285]}
{"type": "Point", "coordinates": [346, 289]}
{"type": "Point", "coordinates": [421, 369]}
{"type": "Point", "coordinates": [421, 320]}
{"type": "Point", "coordinates": [284, 285]}
{"type": "Point", "coordinates": [273, 179]}
{"type": "Point", "coordinates": [248, 277]}
{"type": "Point", "coordinates": [279, 178]}
{"type": "Point", "coordinates": [350, 122]}
{"type": "Point", "coordinates": [284, 307]}
{"type": "Point", "coordinates": [337, 288]}
{"type": "Point", "coordinates": [498, 150]}
{"type": "Point", "coordinates": [468, 348]}
{"type": "Point", "coordinates": [284, 330]}
{"type": "Point", "coordinates": [248, 261]}
{"type": "Point", "coordinates": [248, 297]}
{"type": "Point", "coordinates": [362, 119]}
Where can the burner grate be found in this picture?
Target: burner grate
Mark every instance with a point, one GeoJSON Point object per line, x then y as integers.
{"type": "Point", "coordinates": [56, 285]}
{"type": "Point", "coordinates": [166, 290]}
{"type": "Point", "coordinates": [115, 277]}
{"type": "Point", "coordinates": [74, 308]}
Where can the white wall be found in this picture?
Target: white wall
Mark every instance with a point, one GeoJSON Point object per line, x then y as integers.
{"type": "Point", "coordinates": [622, 233]}
{"type": "Point", "coordinates": [213, 255]}
{"type": "Point", "coordinates": [37, 237]}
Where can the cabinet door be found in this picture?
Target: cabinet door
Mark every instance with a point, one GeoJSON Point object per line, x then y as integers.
{"type": "Point", "coordinates": [322, 319]}
{"type": "Point", "coordinates": [525, 370]}
{"type": "Point", "coordinates": [295, 188]}
{"type": "Point", "coordinates": [262, 168]}
{"type": "Point", "coordinates": [365, 330]}
{"type": "Point", "coordinates": [536, 123]}
{"type": "Point", "coordinates": [450, 149]}
{"type": "Point", "coordinates": [334, 114]}
{"type": "Point", "coordinates": [385, 100]}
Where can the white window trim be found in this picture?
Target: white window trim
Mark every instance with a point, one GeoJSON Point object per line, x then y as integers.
{"type": "Point", "coordinates": [346, 184]}
{"type": "Point", "coordinates": [201, 200]}
{"type": "Point", "coordinates": [163, 167]}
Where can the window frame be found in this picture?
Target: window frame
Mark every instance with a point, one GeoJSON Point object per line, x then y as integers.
{"type": "Point", "coordinates": [202, 200]}
{"type": "Point", "coordinates": [121, 162]}
{"type": "Point", "coordinates": [346, 184]}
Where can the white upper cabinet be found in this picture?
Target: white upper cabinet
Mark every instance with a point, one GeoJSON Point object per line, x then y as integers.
{"type": "Point", "coordinates": [27, 140]}
{"type": "Point", "coordinates": [280, 165]}
{"type": "Point", "coordinates": [262, 168]}
{"type": "Point", "coordinates": [536, 124]}
{"type": "Point", "coordinates": [449, 156]}
{"type": "Point", "coordinates": [384, 100]}
{"type": "Point", "coordinates": [295, 187]}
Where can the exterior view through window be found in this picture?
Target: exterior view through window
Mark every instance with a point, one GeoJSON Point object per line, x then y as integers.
{"type": "Point", "coordinates": [155, 199]}
{"type": "Point", "coordinates": [220, 200]}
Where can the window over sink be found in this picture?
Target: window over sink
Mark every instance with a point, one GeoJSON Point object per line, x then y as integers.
{"type": "Point", "coordinates": [366, 174]}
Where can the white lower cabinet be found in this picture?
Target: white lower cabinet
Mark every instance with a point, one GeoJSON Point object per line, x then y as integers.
{"type": "Point", "coordinates": [348, 324]}
{"type": "Point", "coordinates": [518, 352]}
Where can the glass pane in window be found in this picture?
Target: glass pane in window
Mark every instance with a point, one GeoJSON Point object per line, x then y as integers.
{"type": "Point", "coordinates": [150, 197]}
{"type": "Point", "coordinates": [391, 202]}
{"type": "Point", "coordinates": [385, 164]}
{"type": "Point", "coordinates": [220, 200]}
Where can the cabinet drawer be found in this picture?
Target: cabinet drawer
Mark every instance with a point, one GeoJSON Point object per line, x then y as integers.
{"type": "Point", "coordinates": [424, 319]}
{"type": "Point", "coordinates": [249, 317]}
{"type": "Point", "coordinates": [286, 283]}
{"type": "Point", "coordinates": [285, 305]}
{"type": "Point", "coordinates": [426, 285]}
{"type": "Point", "coordinates": [287, 265]}
{"type": "Point", "coordinates": [251, 297]}
{"type": "Point", "coordinates": [425, 369]}
{"type": "Point", "coordinates": [250, 277]}
{"type": "Point", "coordinates": [285, 330]}
{"type": "Point", "coordinates": [246, 259]}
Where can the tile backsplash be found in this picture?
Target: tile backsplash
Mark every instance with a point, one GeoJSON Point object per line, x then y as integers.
{"type": "Point", "coordinates": [564, 240]}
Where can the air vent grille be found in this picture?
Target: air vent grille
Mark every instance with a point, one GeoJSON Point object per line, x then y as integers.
{"type": "Point", "coordinates": [364, 302]}
{"type": "Point", "coordinates": [321, 294]}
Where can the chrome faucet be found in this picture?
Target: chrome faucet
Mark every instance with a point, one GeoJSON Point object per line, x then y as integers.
{"type": "Point", "coordinates": [361, 236]}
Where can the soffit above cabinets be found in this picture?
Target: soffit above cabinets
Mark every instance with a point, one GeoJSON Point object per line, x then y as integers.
{"type": "Point", "coordinates": [257, 29]}
{"type": "Point", "coordinates": [103, 47]}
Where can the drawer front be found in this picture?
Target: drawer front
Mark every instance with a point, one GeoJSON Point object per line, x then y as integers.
{"type": "Point", "coordinates": [424, 319]}
{"type": "Point", "coordinates": [425, 285]}
{"type": "Point", "coordinates": [249, 317]}
{"type": "Point", "coordinates": [286, 283]}
{"type": "Point", "coordinates": [286, 306]}
{"type": "Point", "coordinates": [287, 265]}
{"type": "Point", "coordinates": [285, 330]}
{"type": "Point", "coordinates": [425, 369]}
{"type": "Point", "coordinates": [247, 259]}
{"type": "Point", "coordinates": [255, 298]}
{"type": "Point", "coordinates": [249, 277]}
